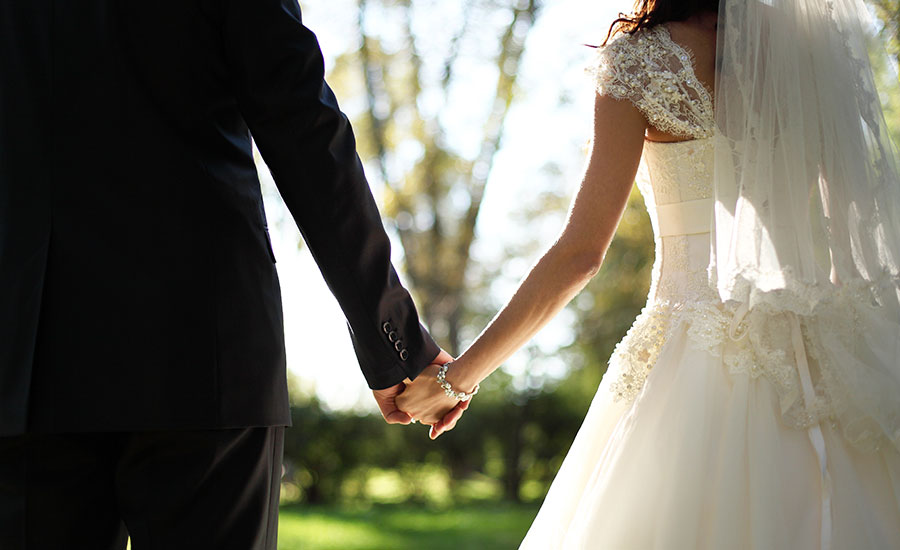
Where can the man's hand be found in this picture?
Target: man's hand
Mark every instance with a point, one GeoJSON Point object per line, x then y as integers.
{"type": "Point", "coordinates": [387, 402]}
{"type": "Point", "coordinates": [424, 399]}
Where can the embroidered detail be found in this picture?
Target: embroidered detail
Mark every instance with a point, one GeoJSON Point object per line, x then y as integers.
{"type": "Point", "coordinates": [680, 171]}
{"type": "Point", "coordinates": [761, 346]}
{"type": "Point", "coordinates": [649, 69]}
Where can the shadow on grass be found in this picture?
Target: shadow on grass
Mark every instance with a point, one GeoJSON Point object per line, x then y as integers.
{"type": "Point", "coordinates": [404, 527]}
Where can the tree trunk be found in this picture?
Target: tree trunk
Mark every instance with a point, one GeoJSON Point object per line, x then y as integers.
{"type": "Point", "coordinates": [436, 253]}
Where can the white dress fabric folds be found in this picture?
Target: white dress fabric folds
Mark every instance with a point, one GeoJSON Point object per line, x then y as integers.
{"type": "Point", "coordinates": [713, 427]}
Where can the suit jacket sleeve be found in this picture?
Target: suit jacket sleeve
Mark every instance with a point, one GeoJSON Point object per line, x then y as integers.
{"type": "Point", "coordinates": [308, 144]}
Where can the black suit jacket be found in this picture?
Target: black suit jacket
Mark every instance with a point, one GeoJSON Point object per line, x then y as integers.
{"type": "Point", "coordinates": [137, 282]}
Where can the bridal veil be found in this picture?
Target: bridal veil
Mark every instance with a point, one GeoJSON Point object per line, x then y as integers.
{"type": "Point", "coordinates": [806, 230]}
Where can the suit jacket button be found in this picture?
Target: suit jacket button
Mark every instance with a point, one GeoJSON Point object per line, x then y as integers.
{"type": "Point", "coordinates": [398, 345]}
{"type": "Point", "coordinates": [404, 354]}
{"type": "Point", "coordinates": [392, 336]}
{"type": "Point", "coordinates": [387, 328]}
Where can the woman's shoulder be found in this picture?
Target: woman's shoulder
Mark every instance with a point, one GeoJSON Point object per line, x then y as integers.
{"type": "Point", "coordinates": [655, 73]}
{"type": "Point", "coordinates": [630, 62]}
{"type": "Point", "coordinates": [642, 54]}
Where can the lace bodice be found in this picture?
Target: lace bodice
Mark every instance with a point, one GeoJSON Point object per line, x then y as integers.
{"type": "Point", "coordinates": [656, 74]}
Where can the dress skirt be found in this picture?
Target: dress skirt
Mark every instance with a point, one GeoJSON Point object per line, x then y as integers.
{"type": "Point", "coordinates": [701, 458]}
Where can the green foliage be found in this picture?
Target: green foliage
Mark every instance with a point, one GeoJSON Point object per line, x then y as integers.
{"type": "Point", "coordinates": [509, 445]}
{"type": "Point", "coordinates": [888, 11]}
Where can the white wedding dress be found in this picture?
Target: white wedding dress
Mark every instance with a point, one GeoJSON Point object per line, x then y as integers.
{"type": "Point", "coordinates": [707, 431]}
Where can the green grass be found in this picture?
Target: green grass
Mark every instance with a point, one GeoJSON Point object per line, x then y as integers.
{"type": "Point", "coordinates": [404, 527]}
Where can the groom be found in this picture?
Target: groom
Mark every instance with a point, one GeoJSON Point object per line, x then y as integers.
{"type": "Point", "coordinates": [142, 368]}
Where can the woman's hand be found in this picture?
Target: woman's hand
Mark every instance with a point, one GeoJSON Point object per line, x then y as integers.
{"type": "Point", "coordinates": [387, 402]}
{"type": "Point", "coordinates": [424, 399]}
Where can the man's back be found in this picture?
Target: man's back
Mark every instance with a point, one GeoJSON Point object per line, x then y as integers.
{"type": "Point", "coordinates": [142, 370]}
{"type": "Point", "coordinates": [133, 243]}
{"type": "Point", "coordinates": [144, 225]}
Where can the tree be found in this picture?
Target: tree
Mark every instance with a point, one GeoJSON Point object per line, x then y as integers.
{"type": "Point", "coordinates": [434, 199]}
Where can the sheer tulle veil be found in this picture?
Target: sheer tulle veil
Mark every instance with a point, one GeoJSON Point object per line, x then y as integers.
{"type": "Point", "coordinates": [807, 205]}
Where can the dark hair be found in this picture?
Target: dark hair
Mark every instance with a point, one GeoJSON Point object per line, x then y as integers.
{"type": "Point", "coordinates": [649, 13]}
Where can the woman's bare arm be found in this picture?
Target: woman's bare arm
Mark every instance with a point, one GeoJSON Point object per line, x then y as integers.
{"type": "Point", "coordinates": [562, 271]}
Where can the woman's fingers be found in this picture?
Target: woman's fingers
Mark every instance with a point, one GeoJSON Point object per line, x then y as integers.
{"type": "Point", "coordinates": [424, 399]}
{"type": "Point", "coordinates": [449, 421]}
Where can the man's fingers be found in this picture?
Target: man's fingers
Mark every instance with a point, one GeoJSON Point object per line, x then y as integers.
{"type": "Point", "coordinates": [397, 417]}
{"type": "Point", "coordinates": [392, 414]}
{"type": "Point", "coordinates": [387, 403]}
{"type": "Point", "coordinates": [429, 420]}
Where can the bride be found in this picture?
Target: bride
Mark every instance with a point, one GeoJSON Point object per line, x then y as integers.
{"type": "Point", "coordinates": [755, 402]}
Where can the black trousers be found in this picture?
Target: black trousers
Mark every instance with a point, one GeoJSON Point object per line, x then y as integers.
{"type": "Point", "coordinates": [168, 490]}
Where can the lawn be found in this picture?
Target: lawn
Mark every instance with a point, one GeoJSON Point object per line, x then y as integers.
{"type": "Point", "coordinates": [404, 527]}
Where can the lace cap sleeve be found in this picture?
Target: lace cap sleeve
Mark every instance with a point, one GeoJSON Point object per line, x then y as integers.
{"type": "Point", "coordinates": [657, 76]}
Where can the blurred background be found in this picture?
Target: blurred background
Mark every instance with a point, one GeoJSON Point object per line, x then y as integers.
{"type": "Point", "coordinates": [473, 119]}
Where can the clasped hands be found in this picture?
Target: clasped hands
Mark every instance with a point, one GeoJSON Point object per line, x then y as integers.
{"type": "Point", "coordinates": [422, 399]}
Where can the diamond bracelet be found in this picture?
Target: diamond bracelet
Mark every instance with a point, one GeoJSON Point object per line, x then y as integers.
{"type": "Point", "coordinates": [448, 389]}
